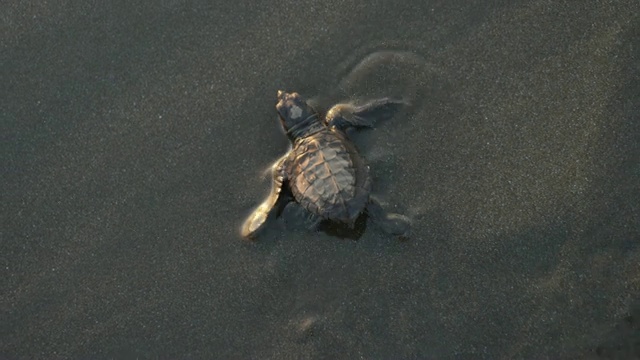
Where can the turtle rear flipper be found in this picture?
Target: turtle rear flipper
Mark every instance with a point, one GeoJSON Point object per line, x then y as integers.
{"type": "Point", "coordinates": [297, 218]}
{"type": "Point", "coordinates": [342, 116]}
{"type": "Point", "coordinates": [391, 223]}
{"type": "Point", "coordinates": [272, 205]}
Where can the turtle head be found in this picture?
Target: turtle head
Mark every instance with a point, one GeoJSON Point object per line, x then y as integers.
{"type": "Point", "coordinates": [295, 114]}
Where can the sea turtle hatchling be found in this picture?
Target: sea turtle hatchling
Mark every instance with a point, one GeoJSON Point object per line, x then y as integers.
{"type": "Point", "coordinates": [323, 170]}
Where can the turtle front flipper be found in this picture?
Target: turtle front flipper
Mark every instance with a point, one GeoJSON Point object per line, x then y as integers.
{"type": "Point", "coordinates": [272, 205]}
{"type": "Point", "coordinates": [391, 223]}
{"type": "Point", "coordinates": [342, 116]}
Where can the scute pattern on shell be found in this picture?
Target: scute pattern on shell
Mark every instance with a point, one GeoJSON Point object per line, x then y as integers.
{"type": "Point", "coordinates": [323, 174]}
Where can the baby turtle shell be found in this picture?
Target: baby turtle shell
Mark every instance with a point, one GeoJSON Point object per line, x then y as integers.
{"type": "Point", "coordinates": [327, 176]}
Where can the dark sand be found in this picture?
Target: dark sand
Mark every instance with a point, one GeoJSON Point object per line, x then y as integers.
{"type": "Point", "coordinates": [134, 139]}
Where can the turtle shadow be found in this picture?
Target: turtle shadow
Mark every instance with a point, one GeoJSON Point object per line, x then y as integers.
{"type": "Point", "coordinates": [294, 218]}
{"type": "Point", "coordinates": [344, 231]}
